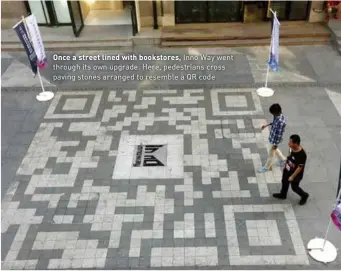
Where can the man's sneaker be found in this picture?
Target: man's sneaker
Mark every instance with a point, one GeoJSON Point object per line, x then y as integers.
{"type": "Point", "coordinates": [304, 199]}
{"type": "Point", "coordinates": [281, 163]}
{"type": "Point", "coordinates": [262, 170]}
{"type": "Point", "coordinates": [279, 196]}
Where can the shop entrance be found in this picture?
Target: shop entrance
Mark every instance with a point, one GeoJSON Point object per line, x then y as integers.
{"type": "Point", "coordinates": [106, 13]}
{"type": "Point", "coordinates": [208, 11]}
{"type": "Point", "coordinates": [84, 13]}
{"type": "Point", "coordinates": [102, 13]}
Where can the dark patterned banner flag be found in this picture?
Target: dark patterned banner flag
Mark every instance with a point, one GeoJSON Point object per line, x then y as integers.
{"type": "Point", "coordinates": [20, 29]}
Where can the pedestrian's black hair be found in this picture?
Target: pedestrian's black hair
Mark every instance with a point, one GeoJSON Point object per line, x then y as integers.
{"type": "Point", "coordinates": [275, 109]}
{"type": "Point", "coordinates": [295, 139]}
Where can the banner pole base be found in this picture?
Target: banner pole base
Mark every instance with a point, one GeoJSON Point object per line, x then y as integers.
{"type": "Point", "coordinates": [326, 254]}
{"type": "Point", "coordinates": [265, 92]}
{"type": "Point", "coordinates": [45, 96]}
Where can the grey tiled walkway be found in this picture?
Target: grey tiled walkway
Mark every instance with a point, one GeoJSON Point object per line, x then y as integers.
{"type": "Point", "coordinates": [118, 179]}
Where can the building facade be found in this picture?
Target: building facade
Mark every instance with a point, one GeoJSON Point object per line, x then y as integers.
{"type": "Point", "coordinates": [157, 13]}
{"type": "Point", "coordinates": [180, 12]}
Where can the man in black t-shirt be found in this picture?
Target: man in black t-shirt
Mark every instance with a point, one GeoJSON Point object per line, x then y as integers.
{"type": "Point", "coordinates": [293, 170]}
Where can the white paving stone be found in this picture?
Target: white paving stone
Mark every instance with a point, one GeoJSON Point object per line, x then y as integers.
{"type": "Point", "coordinates": [210, 225]}
{"type": "Point", "coordinates": [263, 233]}
{"type": "Point", "coordinates": [235, 101]}
{"type": "Point", "coordinates": [200, 256]}
{"type": "Point", "coordinates": [74, 104]}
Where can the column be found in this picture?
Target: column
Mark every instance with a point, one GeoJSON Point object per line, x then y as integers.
{"type": "Point", "coordinates": [168, 18]}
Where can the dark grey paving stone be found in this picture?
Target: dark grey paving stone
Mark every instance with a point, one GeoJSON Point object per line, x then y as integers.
{"type": "Point", "coordinates": [7, 239]}
{"type": "Point", "coordinates": [5, 63]}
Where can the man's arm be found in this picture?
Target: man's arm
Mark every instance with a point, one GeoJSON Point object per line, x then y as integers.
{"type": "Point", "coordinates": [297, 171]}
{"type": "Point", "coordinates": [301, 160]}
{"type": "Point", "coordinates": [264, 126]}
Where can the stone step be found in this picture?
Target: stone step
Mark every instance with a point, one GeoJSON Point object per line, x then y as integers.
{"type": "Point", "coordinates": [69, 46]}
{"type": "Point", "coordinates": [71, 41]}
{"type": "Point", "coordinates": [200, 37]}
{"type": "Point", "coordinates": [240, 31]}
{"type": "Point", "coordinates": [245, 43]}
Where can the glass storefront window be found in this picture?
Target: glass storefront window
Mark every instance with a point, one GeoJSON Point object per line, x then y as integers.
{"type": "Point", "coordinates": [298, 10]}
{"type": "Point", "coordinates": [207, 11]}
{"type": "Point", "coordinates": [190, 11]}
{"type": "Point", "coordinates": [280, 7]}
{"type": "Point", "coordinates": [289, 10]}
{"type": "Point", "coordinates": [62, 11]}
{"type": "Point", "coordinates": [39, 9]}
{"type": "Point", "coordinates": [224, 11]}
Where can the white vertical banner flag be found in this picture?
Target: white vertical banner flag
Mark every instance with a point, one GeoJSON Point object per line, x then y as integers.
{"type": "Point", "coordinates": [274, 52]}
{"type": "Point", "coordinates": [37, 42]}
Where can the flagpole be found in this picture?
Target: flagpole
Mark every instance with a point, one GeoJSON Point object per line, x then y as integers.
{"type": "Point", "coordinates": [323, 250]}
{"type": "Point", "coordinates": [265, 91]}
{"type": "Point", "coordinates": [339, 184]}
{"type": "Point", "coordinates": [268, 66]}
{"type": "Point", "coordinates": [14, 26]}
{"type": "Point", "coordinates": [41, 81]}
{"type": "Point", "coordinates": [42, 96]}
{"type": "Point", "coordinates": [330, 221]}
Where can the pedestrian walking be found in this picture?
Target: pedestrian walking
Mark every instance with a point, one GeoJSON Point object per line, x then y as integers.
{"type": "Point", "coordinates": [293, 170]}
{"type": "Point", "coordinates": [276, 135]}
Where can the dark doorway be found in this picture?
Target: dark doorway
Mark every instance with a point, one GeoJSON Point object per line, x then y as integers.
{"type": "Point", "coordinates": [208, 11]}
{"type": "Point", "coordinates": [76, 17]}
